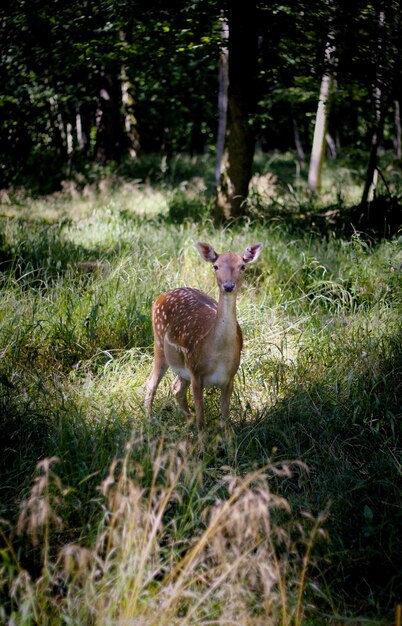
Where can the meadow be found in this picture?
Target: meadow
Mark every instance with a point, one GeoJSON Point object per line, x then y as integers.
{"type": "Point", "coordinates": [108, 518]}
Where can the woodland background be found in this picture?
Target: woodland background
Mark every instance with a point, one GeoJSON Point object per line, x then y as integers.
{"type": "Point", "coordinates": [129, 131]}
{"type": "Point", "coordinates": [107, 82]}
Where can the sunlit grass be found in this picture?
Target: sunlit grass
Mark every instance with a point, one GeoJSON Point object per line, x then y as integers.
{"type": "Point", "coordinates": [80, 204]}
{"type": "Point", "coordinates": [319, 384]}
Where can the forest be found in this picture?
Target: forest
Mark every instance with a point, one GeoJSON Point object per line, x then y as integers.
{"type": "Point", "coordinates": [130, 131]}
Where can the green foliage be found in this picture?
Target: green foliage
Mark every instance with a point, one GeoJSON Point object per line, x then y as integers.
{"type": "Point", "coordinates": [100, 84]}
{"type": "Point", "coordinates": [62, 98]}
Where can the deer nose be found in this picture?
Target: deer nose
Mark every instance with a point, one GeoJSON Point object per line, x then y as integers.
{"type": "Point", "coordinates": [228, 286]}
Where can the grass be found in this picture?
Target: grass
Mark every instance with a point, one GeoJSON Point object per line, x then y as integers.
{"type": "Point", "coordinates": [107, 518]}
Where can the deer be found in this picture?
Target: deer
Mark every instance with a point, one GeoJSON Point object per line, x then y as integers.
{"type": "Point", "coordinates": [199, 338]}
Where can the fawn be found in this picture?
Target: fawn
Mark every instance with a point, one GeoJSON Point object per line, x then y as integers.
{"type": "Point", "coordinates": [198, 337]}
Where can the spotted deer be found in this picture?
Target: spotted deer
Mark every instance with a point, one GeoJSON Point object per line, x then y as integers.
{"type": "Point", "coordinates": [198, 337]}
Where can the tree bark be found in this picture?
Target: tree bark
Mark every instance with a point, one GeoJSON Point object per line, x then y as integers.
{"type": "Point", "coordinates": [128, 107]}
{"type": "Point", "coordinates": [240, 141]}
{"type": "Point", "coordinates": [379, 99]}
{"type": "Point", "coordinates": [397, 80]}
{"type": "Point", "coordinates": [110, 140]}
{"type": "Point", "coordinates": [321, 120]}
{"type": "Point", "coordinates": [331, 145]}
{"type": "Point", "coordinates": [222, 102]}
{"type": "Point", "coordinates": [298, 144]}
{"type": "Point", "coordinates": [398, 130]}
{"type": "Point", "coordinates": [130, 121]}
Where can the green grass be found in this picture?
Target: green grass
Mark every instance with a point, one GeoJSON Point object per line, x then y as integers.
{"type": "Point", "coordinates": [294, 519]}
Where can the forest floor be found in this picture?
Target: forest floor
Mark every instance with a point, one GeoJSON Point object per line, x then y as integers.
{"type": "Point", "coordinates": [294, 516]}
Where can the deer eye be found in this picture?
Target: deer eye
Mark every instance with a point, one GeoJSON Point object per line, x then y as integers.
{"type": "Point", "coordinates": [216, 267]}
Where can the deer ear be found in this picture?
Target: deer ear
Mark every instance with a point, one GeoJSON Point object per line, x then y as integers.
{"type": "Point", "coordinates": [207, 252]}
{"type": "Point", "coordinates": [252, 253]}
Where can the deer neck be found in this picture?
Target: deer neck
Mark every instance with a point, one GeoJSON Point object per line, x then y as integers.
{"type": "Point", "coordinates": [225, 329]}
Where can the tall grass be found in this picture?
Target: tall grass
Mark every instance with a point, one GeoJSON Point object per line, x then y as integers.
{"type": "Point", "coordinates": [108, 518]}
{"type": "Point", "coordinates": [162, 553]}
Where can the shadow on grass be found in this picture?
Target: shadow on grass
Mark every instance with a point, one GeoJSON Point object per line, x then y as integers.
{"type": "Point", "coordinates": [351, 445]}
{"type": "Point", "coordinates": [42, 248]}
{"type": "Point", "coordinates": [350, 442]}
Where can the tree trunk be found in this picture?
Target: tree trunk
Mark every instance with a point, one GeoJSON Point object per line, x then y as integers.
{"type": "Point", "coordinates": [398, 130]}
{"type": "Point", "coordinates": [234, 181]}
{"type": "Point", "coordinates": [321, 121]}
{"type": "Point", "coordinates": [79, 131]}
{"type": "Point", "coordinates": [320, 131]}
{"type": "Point", "coordinates": [128, 107]}
{"type": "Point", "coordinates": [60, 139]}
{"type": "Point", "coordinates": [331, 145]}
{"type": "Point", "coordinates": [222, 102]}
{"type": "Point", "coordinates": [376, 140]}
{"type": "Point", "coordinates": [397, 79]}
{"type": "Point", "coordinates": [83, 123]}
{"type": "Point", "coordinates": [110, 139]}
{"type": "Point", "coordinates": [130, 122]}
{"type": "Point", "coordinates": [379, 98]}
{"type": "Point", "coordinates": [298, 144]}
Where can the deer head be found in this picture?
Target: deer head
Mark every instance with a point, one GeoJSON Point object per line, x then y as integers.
{"type": "Point", "coordinates": [229, 267]}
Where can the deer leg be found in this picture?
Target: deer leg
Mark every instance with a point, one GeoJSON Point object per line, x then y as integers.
{"type": "Point", "coordinates": [226, 393]}
{"type": "Point", "coordinates": [179, 388]}
{"type": "Point", "coordinates": [158, 371]}
{"type": "Point", "coordinates": [196, 386]}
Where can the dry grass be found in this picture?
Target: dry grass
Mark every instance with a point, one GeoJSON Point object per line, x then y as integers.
{"type": "Point", "coordinates": [237, 566]}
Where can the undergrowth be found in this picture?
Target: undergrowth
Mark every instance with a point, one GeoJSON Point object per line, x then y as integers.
{"type": "Point", "coordinates": [107, 518]}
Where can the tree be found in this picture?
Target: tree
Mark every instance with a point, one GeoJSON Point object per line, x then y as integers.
{"type": "Point", "coordinates": [379, 98]}
{"type": "Point", "coordinates": [86, 82]}
{"type": "Point", "coordinates": [222, 101]}
{"type": "Point", "coordinates": [321, 120]}
{"type": "Point", "coordinates": [397, 79]}
{"type": "Point", "coordinates": [240, 138]}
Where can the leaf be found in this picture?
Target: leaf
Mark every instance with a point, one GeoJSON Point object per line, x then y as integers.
{"type": "Point", "coordinates": [368, 513]}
